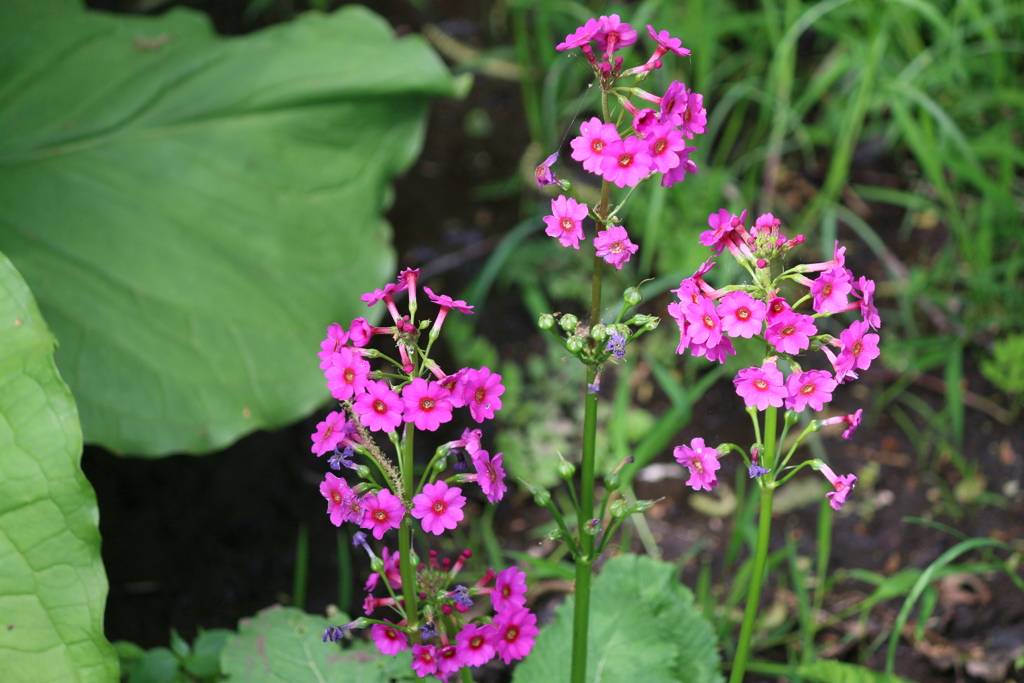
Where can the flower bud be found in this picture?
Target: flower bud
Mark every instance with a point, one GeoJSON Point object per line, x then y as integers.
{"type": "Point", "coordinates": [566, 470]}
{"type": "Point", "coordinates": [575, 343]}
{"type": "Point", "coordinates": [792, 417]}
{"type": "Point", "coordinates": [641, 506]}
{"type": "Point", "coordinates": [541, 497]}
{"type": "Point", "coordinates": [362, 471]}
{"type": "Point", "coordinates": [554, 535]}
{"type": "Point", "coordinates": [613, 481]}
{"type": "Point", "coordinates": [546, 321]}
{"type": "Point", "coordinates": [632, 296]}
{"type": "Point", "coordinates": [377, 565]}
{"type": "Point", "coordinates": [569, 322]}
{"type": "Point", "coordinates": [593, 527]}
{"type": "Point", "coordinates": [599, 333]}
{"type": "Point", "coordinates": [441, 464]}
{"type": "Point", "coordinates": [619, 509]}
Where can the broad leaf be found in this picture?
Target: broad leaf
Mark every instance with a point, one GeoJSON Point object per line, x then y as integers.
{"type": "Point", "coordinates": [52, 584]}
{"type": "Point", "coordinates": [192, 211]}
{"type": "Point", "coordinates": [643, 627]}
{"type": "Point", "coordinates": [831, 671]}
{"type": "Point", "coordinates": [283, 644]}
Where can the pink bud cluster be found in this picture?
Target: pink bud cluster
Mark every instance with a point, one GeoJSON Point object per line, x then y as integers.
{"type": "Point", "coordinates": [445, 643]}
{"type": "Point", "coordinates": [709, 318]}
{"type": "Point", "coordinates": [654, 144]}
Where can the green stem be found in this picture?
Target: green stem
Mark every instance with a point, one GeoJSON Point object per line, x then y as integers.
{"type": "Point", "coordinates": [764, 530]}
{"type": "Point", "coordinates": [301, 567]}
{"type": "Point", "coordinates": [406, 566]}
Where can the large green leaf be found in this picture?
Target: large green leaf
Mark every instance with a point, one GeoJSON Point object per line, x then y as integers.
{"type": "Point", "coordinates": [192, 211]}
{"type": "Point", "coordinates": [52, 584]}
{"type": "Point", "coordinates": [643, 627]}
{"type": "Point", "coordinates": [283, 645]}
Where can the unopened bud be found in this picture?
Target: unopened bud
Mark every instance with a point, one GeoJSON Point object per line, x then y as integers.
{"type": "Point", "coordinates": [599, 333]}
{"type": "Point", "coordinates": [632, 296]}
{"type": "Point", "coordinates": [792, 417]}
{"type": "Point", "coordinates": [441, 464]}
{"type": "Point", "coordinates": [541, 497]}
{"type": "Point", "coordinates": [613, 481]}
{"type": "Point", "coordinates": [362, 471]}
{"type": "Point", "coordinates": [619, 509]}
{"type": "Point", "coordinates": [377, 565]}
{"type": "Point", "coordinates": [593, 527]}
{"type": "Point", "coordinates": [566, 470]}
{"type": "Point", "coordinates": [546, 321]}
{"type": "Point", "coordinates": [642, 506]}
{"type": "Point", "coordinates": [575, 343]}
{"type": "Point", "coordinates": [569, 322]}
{"type": "Point", "coordinates": [554, 535]}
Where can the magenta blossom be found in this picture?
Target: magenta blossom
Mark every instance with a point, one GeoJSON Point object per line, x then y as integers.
{"type": "Point", "coordinates": [694, 119]}
{"type": "Point", "coordinates": [517, 629]}
{"type": "Point", "coordinates": [614, 246]}
{"type": "Point", "coordinates": [490, 475]}
{"type": "Point", "coordinates": [389, 639]}
{"type": "Point", "coordinates": [343, 504]}
{"type": "Point", "coordinates": [565, 223]}
{"type": "Point", "coordinates": [843, 485]}
{"type": "Point", "coordinates": [475, 644]}
{"type": "Point", "coordinates": [335, 341]}
{"type": "Point", "coordinates": [329, 433]}
{"type": "Point", "coordinates": [853, 420]}
{"type": "Point", "coordinates": [868, 311]}
{"type": "Point", "coordinates": [448, 661]}
{"type": "Point", "coordinates": [359, 332]}
{"type": "Point", "coordinates": [777, 307]}
{"type": "Point", "coordinates": [860, 347]}
{"type": "Point", "coordinates": [470, 440]}
{"type": "Point", "coordinates": [666, 43]}
{"type": "Point", "coordinates": [664, 144]}
{"type": "Point", "coordinates": [543, 174]}
{"type": "Point", "coordinates": [590, 147]}
{"type": "Point", "coordinates": [391, 571]}
{"type": "Point", "coordinates": [482, 391]}
{"type": "Point", "coordinates": [509, 590]}
{"type": "Point", "coordinates": [791, 332]}
{"type": "Point", "coordinates": [830, 290]}
{"type": "Point", "coordinates": [761, 387]}
{"type": "Point", "coordinates": [722, 223]}
{"type": "Point", "coordinates": [812, 388]}
{"type": "Point", "coordinates": [581, 37]}
{"type": "Point", "coordinates": [673, 103]}
{"type": "Point", "coordinates": [382, 511]}
{"type": "Point", "coordinates": [439, 507]}
{"type": "Point", "coordinates": [626, 162]}
{"type": "Point", "coordinates": [427, 404]}
{"type": "Point", "coordinates": [678, 174]}
{"type": "Point", "coordinates": [424, 660]}
{"type": "Point", "coordinates": [379, 408]}
{"type": "Point", "coordinates": [741, 314]}
{"type": "Point", "coordinates": [613, 34]}
{"type": "Point", "coordinates": [348, 374]}
{"type": "Point", "coordinates": [705, 325]}
{"type": "Point", "coordinates": [702, 463]}
{"type": "Point", "coordinates": [719, 352]}
{"type": "Point", "coordinates": [644, 121]}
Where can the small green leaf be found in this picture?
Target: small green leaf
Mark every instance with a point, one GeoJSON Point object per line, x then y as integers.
{"type": "Point", "coordinates": [159, 665]}
{"type": "Point", "coordinates": [52, 584]}
{"type": "Point", "coordinates": [284, 644]}
{"type": "Point", "coordinates": [205, 659]}
{"type": "Point", "coordinates": [643, 627]}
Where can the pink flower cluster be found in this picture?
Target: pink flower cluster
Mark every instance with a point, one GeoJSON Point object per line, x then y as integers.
{"type": "Point", "coordinates": [508, 635]}
{"type": "Point", "coordinates": [657, 143]}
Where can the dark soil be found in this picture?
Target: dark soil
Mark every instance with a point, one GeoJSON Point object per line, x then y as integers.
{"type": "Point", "coordinates": [194, 543]}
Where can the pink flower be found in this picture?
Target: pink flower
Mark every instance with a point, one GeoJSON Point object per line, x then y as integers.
{"type": "Point", "coordinates": [705, 325]}
{"type": "Point", "coordinates": [678, 174]}
{"type": "Point", "coordinates": [348, 374]}
{"type": "Point", "coordinates": [385, 295]}
{"type": "Point", "coordinates": [777, 307]}
{"type": "Point", "coordinates": [702, 463]}
{"type": "Point", "coordinates": [360, 332]}
{"type": "Point", "coordinates": [867, 303]}
{"type": "Point", "coordinates": [664, 142]}
{"type": "Point", "coordinates": [761, 387]}
{"type": "Point", "coordinates": [381, 512]}
{"type": "Point", "coordinates": [427, 404]}
{"type": "Point", "coordinates": [342, 502]}
{"type": "Point", "coordinates": [336, 339]}
{"type": "Point", "coordinates": [614, 246]}
{"type": "Point", "coordinates": [476, 644]}
{"type": "Point", "coordinates": [695, 117]}
{"type": "Point", "coordinates": [439, 507]}
{"type": "Point", "coordinates": [543, 173]}
{"type": "Point", "coordinates": [859, 346]}
{"type": "Point", "coordinates": [379, 408]}
{"type": "Point", "coordinates": [791, 332]}
{"type": "Point", "coordinates": [389, 639]}
{"type": "Point", "coordinates": [644, 121]}
{"type": "Point", "coordinates": [448, 661]}
{"type": "Point", "coordinates": [843, 485]}
{"type": "Point", "coordinates": [613, 34]}
{"type": "Point", "coordinates": [666, 43]}
{"type": "Point", "coordinates": [565, 223]}
{"type": "Point", "coordinates": [392, 571]}
{"type": "Point", "coordinates": [470, 440]}
{"type": "Point", "coordinates": [424, 660]}
{"type": "Point", "coordinates": [626, 162]}
{"type": "Point", "coordinates": [719, 352]}
{"type": "Point", "coordinates": [483, 388]}
{"type": "Point", "coordinates": [516, 630]}
{"type": "Point", "coordinates": [830, 290]}
{"type": "Point", "coordinates": [813, 388]}
{"type": "Point", "coordinates": [741, 314]}
{"type": "Point", "coordinates": [853, 420]}
{"type": "Point", "coordinates": [595, 138]}
{"type": "Point", "coordinates": [674, 103]}
{"type": "Point", "coordinates": [447, 303]}
{"type": "Point", "coordinates": [722, 223]}
{"type": "Point", "coordinates": [329, 433]}
{"type": "Point", "coordinates": [490, 475]}
{"type": "Point", "coordinates": [509, 590]}
{"type": "Point", "coordinates": [581, 37]}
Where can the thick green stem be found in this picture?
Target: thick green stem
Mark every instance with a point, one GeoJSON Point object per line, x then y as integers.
{"type": "Point", "coordinates": [406, 566]}
{"type": "Point", "coordinates": [764, 530]}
